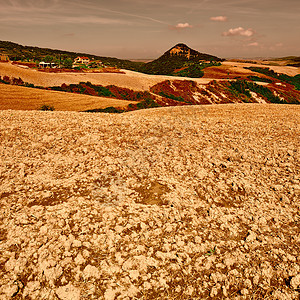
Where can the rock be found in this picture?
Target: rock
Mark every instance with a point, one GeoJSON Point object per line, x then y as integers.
{"type": "Point", "coordinates": [77, 243]}
{"type": "Point", "coordinates": [110, 294]}
{"type": "Point", "coordinates": [11, 290]}
{"type": "Point", "coordinates": [91, 272]}
{"type": "Point", "coordinates": [32, 289]}
{"type": "Point", "coordinates": [244, 292]}
{"type": "Point", "coordinates": [251, 237]}
{"type": "Point", "coordinates": [295, 282]}
{"type": "Point", "coordinates": [134, 274]}
{"type": "Point", "coordinates": [214, 292]}
{"type": "Point", "coordinates": [79, 259]}
{"type": "Point", "coordinates": [68, 292]}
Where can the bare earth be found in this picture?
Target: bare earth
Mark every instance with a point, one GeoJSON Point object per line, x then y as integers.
{"type": "Point", "coordinates": [198, 202]}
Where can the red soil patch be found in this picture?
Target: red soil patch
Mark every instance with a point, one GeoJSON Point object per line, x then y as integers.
{"type": "Point", "coordinates": [25, 64]}
{"type": "Point", "coordinates": [178, 70]}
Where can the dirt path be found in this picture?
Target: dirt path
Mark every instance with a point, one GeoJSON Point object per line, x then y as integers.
{"type": "Point", "coordinates": [170, 203]}
{"type": "Point", "coordinates": [22, 98]}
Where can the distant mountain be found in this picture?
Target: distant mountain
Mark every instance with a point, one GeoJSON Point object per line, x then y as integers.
{"type": "Point", "coordinates": [19, 52]}
{"type": "Point", "coordinates": [182, 50]}
{"type": "Point", "coordinates": [178, 57]}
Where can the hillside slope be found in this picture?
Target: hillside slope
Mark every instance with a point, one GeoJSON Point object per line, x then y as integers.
{"type": "Point", "coordinates": [179, 56]}
{"type": "Point", "coordinates": [169, 203]}
{"type": "Point", "coordinates": [21, 52]}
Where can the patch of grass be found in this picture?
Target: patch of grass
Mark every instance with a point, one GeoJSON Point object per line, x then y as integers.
{"type": "Point", "coordinates": [211, 251]}
{"type": "Point", "coordinates": [295, 81]}
{"type": "Point", "coordinates": [244, 87]}
{"type": "Point", "coordinates": [170, 96]}
{"type": "Point", "coordinates": [259, 79]}
{"type": "Point", "coordinates": [239, 87]}
{"type": "Point", "coordinates": [147, 103]}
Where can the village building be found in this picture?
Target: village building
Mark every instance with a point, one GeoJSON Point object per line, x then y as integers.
{"type": "Point", "coordinates": [81, 60]}
{"type": "Point", "coordinates": [43, 64]}
{"type": "Point", "coordinates": [4, 57]}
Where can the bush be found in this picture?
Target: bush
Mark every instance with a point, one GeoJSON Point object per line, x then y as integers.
{"type": "Point", "coordinates": [240, 87]}
{"type": "Point", "coordinates": [46, 107]}
{"type": "Point", "coordinates": [147, 103]}
{"type": "Point", "coordinates": [111, 110]}
{"type": "Point", "coordinates": [295, 81]}
{"type": "Point", "coordinates": [170, 96]}
{"type": "Point", "coordinates": [244, 87]}
{"type": "Point", "coordinates": [259, 79]}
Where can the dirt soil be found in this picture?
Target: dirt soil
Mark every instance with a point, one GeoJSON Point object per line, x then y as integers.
{"type": "Point", "coordinates": [198, 202]}
{"type": "Point", "coordinates": [23, 98]}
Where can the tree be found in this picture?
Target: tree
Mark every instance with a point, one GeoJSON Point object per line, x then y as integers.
{"type": "Point", "coordinates": [48, 59]}
{"type": "Point", "coordinates": [68, 63]}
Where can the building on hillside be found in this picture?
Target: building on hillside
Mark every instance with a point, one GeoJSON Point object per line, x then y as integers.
{"type": "Point", "coordinates": [43, 64]}
{"type": "Point", "coordinates": [4, 57]}
{"type": "Point", "coordinates": [81, 60]}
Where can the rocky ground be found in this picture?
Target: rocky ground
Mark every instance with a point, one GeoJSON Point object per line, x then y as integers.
{"type": "Point", "coordinates": [170, 203]}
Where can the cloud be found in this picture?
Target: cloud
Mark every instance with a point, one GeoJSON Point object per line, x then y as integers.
{"type": "Point", "coordinates": [254, 44]}
{"type": "Point", "coordinates": [183, 26]}
{"type": "Point", "coordinates": [219, 19]}
{"type": "Point", "coordinates": [239, 31]}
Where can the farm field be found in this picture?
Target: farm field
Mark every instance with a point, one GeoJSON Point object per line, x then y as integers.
{"type": "Point", "coordinates": [13, 97]}
{"type": "Point", "coordinates": [195, 202]}
{"type": "Point", "coordinates": [24, 98]}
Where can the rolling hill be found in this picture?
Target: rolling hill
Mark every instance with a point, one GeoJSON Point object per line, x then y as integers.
{"type": "Point", "coordinates": [19, 52]}
{"type": "Point", "coordinates": [179, 58]}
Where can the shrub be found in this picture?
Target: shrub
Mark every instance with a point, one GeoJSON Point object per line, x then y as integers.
{"type": "Point", "coordinates": [111, 110]}
{"type": "Point", "coordinates": [295, 81]}
{"type": "Point", "coordinates": [259, 79]}
{"type": "Point", "coordinates": [147, 103]}
{"type": "Point", "coordinates": [244, 87]}
{"type": "Point", "coordinates": [46, 107]}
{"type": "Point", "coordinates": [170, 96]}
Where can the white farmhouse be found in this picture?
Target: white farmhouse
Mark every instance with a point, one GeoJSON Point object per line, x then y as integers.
{"type": "Point", "coordinates": [81, 60]}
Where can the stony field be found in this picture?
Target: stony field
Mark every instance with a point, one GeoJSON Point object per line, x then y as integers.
{"type": "Point", "coordinates": [198, 202]}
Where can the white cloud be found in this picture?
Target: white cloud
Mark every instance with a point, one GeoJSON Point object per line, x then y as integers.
{"type": "Point", "coordinates": [239, 31]}
{"type": "Point", "coordinates": [254, 44]}
{"type": "Point", "coordinates": [219, 19]}
{"type": "Point", "coordinates": [183, 26]}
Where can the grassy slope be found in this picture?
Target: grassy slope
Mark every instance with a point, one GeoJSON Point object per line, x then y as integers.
{"type": "Point", "coordinates": [18, 52]}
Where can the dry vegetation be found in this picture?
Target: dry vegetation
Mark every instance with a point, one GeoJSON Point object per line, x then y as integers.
{"type": "Point", "coordinates": [23, 98]}
{"type": "Point", "coordinates": [198, 202]}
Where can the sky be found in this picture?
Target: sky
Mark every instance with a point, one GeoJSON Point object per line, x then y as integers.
{"type": "Point", "coordinates": [138, 29]}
